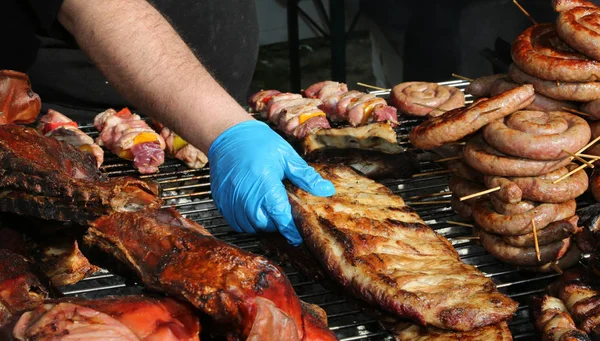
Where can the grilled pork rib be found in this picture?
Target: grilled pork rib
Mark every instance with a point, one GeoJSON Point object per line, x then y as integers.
{"type": "Point", "coordinates": [50, 179]}
{"type": "Point", "coordinates": [372, 243]}
{"type": "Point", "coordinates": [20, 288]}
{"type": "Point", "coordinates": [135, 318]}
{"type": "Point", "coordinates": [245, 293]}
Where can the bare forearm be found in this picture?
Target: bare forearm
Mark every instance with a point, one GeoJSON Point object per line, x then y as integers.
{"type": "Point", "coordinates": [144, 58]}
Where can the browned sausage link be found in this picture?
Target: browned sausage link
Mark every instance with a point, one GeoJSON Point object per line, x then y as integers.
{"type": "Point", "coordinates": [509, 191]}
{"type": "Point", "coordinates": [513, 225]}
{"type": "Point", "coordinates": [592, 108]}
{"type": "Point", "coordinates": [418, 98]}
{"type": "Point", "coordinates": [462, 209]}
{"type": "Point", "coordinates": [482, 86]}
{"type": "Point", "coordinates": [538, 135]}
{"type": "Point", "coordinates": [511, 209]}
{"type": "Point", "coordinates": [481, 156]}
{"type": "Point", "coordinates": [578, 27]}
{"type": "Point", "coordinates": [458, 123]}
{"type": "Point", "coordinates": [540, 188]}
{"type": "Point", "coordinates": [562, 91]}
{"type": "Point", "coordinates": [557, 230]}
{"type": "Point", "coordinates": [570, 259]}
{"type": "Point", "coordinates": [465, 171]}
{"type": "Point", "coordinates": [540, 102]}
{"type": "Point", "coordinates": [461, 187]}
{"type": "Point", "coordinates": [522, 256]}
{"type": "Point", "coordinates": [539, 52]}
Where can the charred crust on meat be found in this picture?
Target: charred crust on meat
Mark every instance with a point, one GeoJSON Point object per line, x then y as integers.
{"type": "Point", "coordinates": [412, 226]}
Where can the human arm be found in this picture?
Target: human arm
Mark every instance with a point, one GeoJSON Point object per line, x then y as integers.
{"type": "Point", "coordinates": [144, 58]}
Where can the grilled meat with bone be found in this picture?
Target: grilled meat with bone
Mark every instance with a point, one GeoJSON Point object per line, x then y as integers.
{"type": "Point", "coordinates": [130, 138]}
{"type": "Point", "coordinates": [50, 179]}
{"type": "Point", "coordinates": [376, 246]}
{"type": "Point", "coordinates": [62, 128]}
{"type": "Point", "coordinates": [239, 291]}
{"type": "Point", "coordinates": [128, 318]}
{"type": "Point", "coordinates": [20, 288]}
{"type": "Point", "coordinates": [18, 103]}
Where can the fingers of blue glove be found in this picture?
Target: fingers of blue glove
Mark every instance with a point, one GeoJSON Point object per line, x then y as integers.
{"type": "Point", "coordinates": [305, 177]}
{"type": "Point", "coordinates": [277, 207]}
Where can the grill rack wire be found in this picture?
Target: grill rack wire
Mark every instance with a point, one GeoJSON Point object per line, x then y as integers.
{"type": "Point", "coordinates": [188, 191]}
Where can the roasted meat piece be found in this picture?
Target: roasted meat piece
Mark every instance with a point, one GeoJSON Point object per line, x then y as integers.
{"type": "Point", "coordinates": [552, 319]}
{"type": "Point", "coordinates": [49, 179]}
{"type": "Point", "coordinates": [406, 331]}
{"type": "Point", "coordinates": [62, 128]}
{"type": "Point", "coordinates": [377, 247]}
{"type": "Point", "coordinates": [20, 287]}
{"type": "Point", "coordinates": [18, 103]}
{"type": "Point", "coordinates": [244, 293]}
{"type": "Point", "coordinates": [135, 318]}
{"type": "Point", "coordinates": [130, 138]}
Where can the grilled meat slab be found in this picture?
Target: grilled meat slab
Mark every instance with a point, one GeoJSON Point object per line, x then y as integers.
{"type": "Point", "coordinates": [50, 179]}
{"type": "Point", "coordinates": [376, 246]}
{"type": "Point", "coordinates": [135, 318]}
{"type": "Point", "coordinates": [406, 331]}
{"type": "Point", "coordinates": [245, 293]}
{"type": "Point", "coordinates": [20, 288]}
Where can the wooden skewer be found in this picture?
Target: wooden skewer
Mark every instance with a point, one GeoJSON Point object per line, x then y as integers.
{"type": "Point", "coordinates": [590, 156]}
{"type": "Point", "coordinates": [459, 223]}
{"type": "Point", "coordinates": [372, 86]}
{"type": "Point", "coordinates": [478, 194]}
{"type": "Point", "coordinates": [450, 159]}
{"type": "Point", "coordinates": [575, 111]}
{"type": "Point", "coordinates": [525, 12]}
{"type": "Point", "coordinates": [462, 77]}
{"type": "Point", "coordinates": [535, 241]}
{"type": "Point", "coordinates": [430, 202]}
{"type": "Point", "coordinates": [444, 171]}
{"type": "Point", "coordinates": [432, 195]}
{"type": "Point", "coordinates": [591, 165]}
{"type": "Point", "coordinates": [556, 268]}
{"type": "Point", "coordinates": [394, 122]}
{"type": "Point", "coordinates": [588, 145]}
{"type": "Point", "coordinates": [569, 174]}
{"type": "Point", "coordinates": [430, 107]}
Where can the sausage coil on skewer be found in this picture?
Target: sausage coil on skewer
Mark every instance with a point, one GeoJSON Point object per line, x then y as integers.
{"type": "Point", "coordinates": [523, 256]}
{"type": "Point", "coordinates": [557, 230]}
{"type": "Point", "coordinates": [485, 159]}
{"type": "Point", "coordinates": [518, 224]}
{"type": "Point", "coordinates": [562, 91]}
{"type": "Point", "coordinates": [482, 86]}
{"type": "Point", "coordinates": [539, 52]}
{"type": "Point", "coordinates": [420, 98]}
{"type": "Point", "coordinates": [458, 123]}
{"type": "Point", "coordinates": [540, 188]}
{"type": "Point", "coordinates": [541, 102]}
{"type": "Point", "coordinates": [552, 319]}
{"type": "Point", "coordinates": [538, 135]}
{"type": "Point", "coordinates": [577, 26]}
{"type": "Point", "coordinates": [461, 187]}
{"type": "Point", "coordinates": [511, 209]}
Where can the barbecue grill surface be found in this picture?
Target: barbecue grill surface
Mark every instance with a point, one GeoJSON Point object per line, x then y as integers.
{"type": "Point", "coordinates": [189, 192]}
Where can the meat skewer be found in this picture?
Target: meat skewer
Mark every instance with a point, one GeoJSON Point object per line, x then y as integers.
{"type": "Point", "coordinates": [354, 107]}
{"type": "Point", "coordinates": [56, 125]}
{"type": "Point", "coordinates": [180, 149]}
{"type": "Point", "coordinates": [130, 138]}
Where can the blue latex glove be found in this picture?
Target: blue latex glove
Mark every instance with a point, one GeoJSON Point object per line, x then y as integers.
{"type": "Point", "coordinates": [247, 165]}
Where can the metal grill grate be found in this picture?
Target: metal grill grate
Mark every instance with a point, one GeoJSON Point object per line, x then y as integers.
{"type": "Point", "coordinates": [189, 192]}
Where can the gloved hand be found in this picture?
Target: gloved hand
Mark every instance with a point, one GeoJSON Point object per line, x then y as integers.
{"type": "Point", "coordinates": [247, 165]}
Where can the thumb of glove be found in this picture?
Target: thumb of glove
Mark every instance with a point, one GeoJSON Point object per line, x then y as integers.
{"type": "Point", "coordinates": [305, 177]}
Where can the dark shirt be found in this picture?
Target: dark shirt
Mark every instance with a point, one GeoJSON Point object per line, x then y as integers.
{"type": "Point", "coordinates": [222, 33]}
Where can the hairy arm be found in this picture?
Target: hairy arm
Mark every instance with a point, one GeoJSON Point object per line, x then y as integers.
{"type": "Point", "coordinates": [144, 58]}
